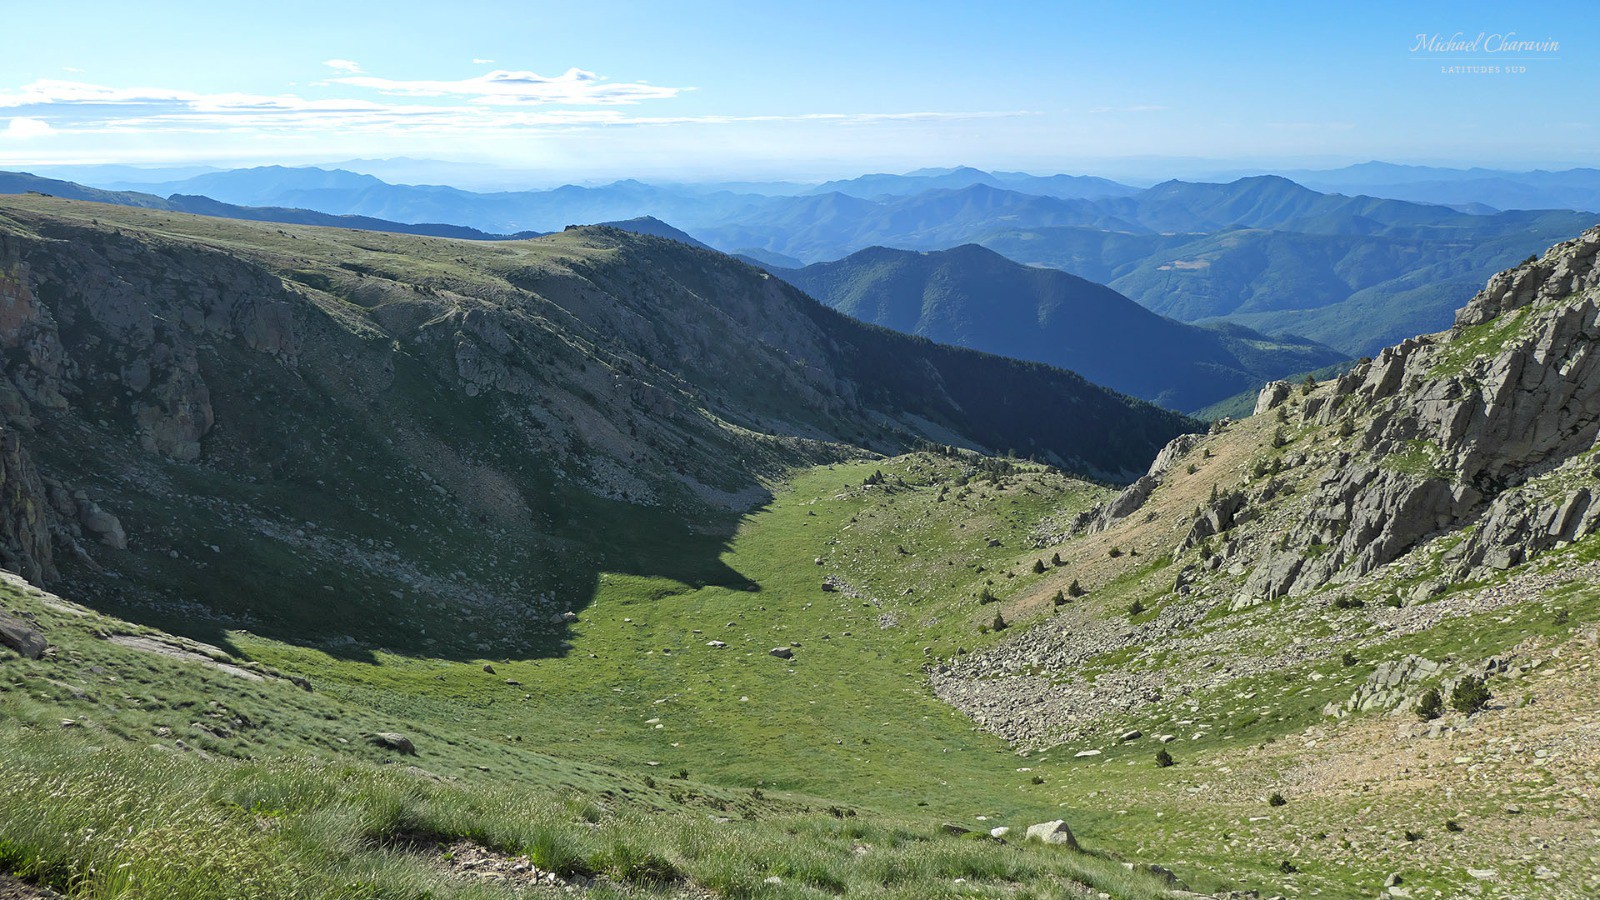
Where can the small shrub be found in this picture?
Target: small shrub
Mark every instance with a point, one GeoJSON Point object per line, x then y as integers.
{"type": "Point", "coordinates": [1038, 567]}
{"type": "Point", "coordinates": [1349, 658]}
{"type": "Point", "coordinates": [1287, 868]}
{"type": "Point", "coordinates": [1471, 695]}
{"type": "Point", "coordinates": [1060, 599]}
{"type": "Point", "coordinates": [1000, 623]}
{"type": "Point", "coordinates": [1192, 468]}
{"type": "Point", "coordinates": [987, 596]}
{"type": "Point", "coordinates": [1430, 706]}
{"type": "Point", "coordinates": [627, 863]}
{"type": "Point", "coordinates": [552, 851]}
{"type": "Point", "coordinates": [1135, 608]}
{"type": "Point", "coordinates": [1114, 552]}
{"type": "Point", "coordinates": [1163, 758]}
{"type": "Point", "coordinates": [1452, 826]}
{"type": "Point", "coordinates": [1393, 601]}
{"type": "Point", "coordinates": [1037, 779]}
{"type": "Point", "coordinates": [1413, 836]}
{"type": "Point", "coordinates": [1055, 560]}
{"type": "Point", "coordinates": [649, 782]}
{"type": "Point", "coordinates": [1075, 589]}
{"type": "Point", "coordinates": [1276, 800]}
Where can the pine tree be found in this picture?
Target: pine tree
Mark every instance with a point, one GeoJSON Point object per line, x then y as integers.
{"type": "Point", "coordinates": [1471, 694]}
{"type": "Point", "coordinates": [1430, 706]}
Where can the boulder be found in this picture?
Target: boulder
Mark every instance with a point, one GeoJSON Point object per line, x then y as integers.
{"type": "Point", "coordinates": [1271, 397]}
{"type": "Point", "coordinates": [782, 652]}
{"type": "Point", "coordinates": [395, 741]}
{"type": "Point", "coordinates": [1176, 449]}
{"type": "Point", "coordinates": [21, 637]}
{"type": "Point", "coordinates": [1055, 832]}
{"type": "Point", "coordinates": [104, 525]}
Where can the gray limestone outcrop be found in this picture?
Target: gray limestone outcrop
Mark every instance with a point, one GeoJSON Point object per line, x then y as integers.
{"type": "Point", "coordinates": [1451, 427]}
{"type": "Point", "coordinates": [1133, 497]}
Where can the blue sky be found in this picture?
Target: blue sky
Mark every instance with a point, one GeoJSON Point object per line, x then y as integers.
{"type": "Point", "coordinates": [605, 88]}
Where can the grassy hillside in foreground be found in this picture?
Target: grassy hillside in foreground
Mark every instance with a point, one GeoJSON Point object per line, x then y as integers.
{"type": "Point", "coordinates": [285, 784]}
{"type": "Point", "coordinates": [602, 731]}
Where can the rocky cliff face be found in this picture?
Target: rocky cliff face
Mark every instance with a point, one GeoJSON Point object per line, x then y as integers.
{"type": "Point", "coordinates": [1336, 529]}
{"type": "Point", "coordinates": [25, 543]}
{"type": "Point", "coordinates": [1492, 424]}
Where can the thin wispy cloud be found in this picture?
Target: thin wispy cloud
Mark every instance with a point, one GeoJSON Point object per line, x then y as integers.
{"type": "Point", "coordinates": [572, 87]}
{"type": "Point", "coordinates": [1139, 108]}
{"type": "Point", "coordinates": [343, 65]}
{"type": "Point", "coordinates": [498, 101]}
{"type": "Point", "coordinates": [77, 93]}
{"type": "Point", "coordinates": [483, 62]}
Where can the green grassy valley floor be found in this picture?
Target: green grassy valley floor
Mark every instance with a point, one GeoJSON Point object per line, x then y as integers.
{"type": "Point", "coordinates": [649, 755]}
{"type": "Point", "coordinates": [850, 715]}
{"type": "Point", "coordinates": [640, 752]}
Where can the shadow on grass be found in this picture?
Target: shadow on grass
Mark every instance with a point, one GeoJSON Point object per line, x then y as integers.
{"type": "Point", "coordinates": [323, 530]}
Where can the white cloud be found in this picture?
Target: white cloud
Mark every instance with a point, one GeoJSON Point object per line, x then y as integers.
{"type": "Point", "coordinates": [23, 127]}
{"type": "Point", "coordinates": [483, 62]}
{"type": "Point", "coordinates": [1141, 108]}
{"type": "Point", "coordinates": [343, 65]}
{"type": "Point", "coordinates": [497, 102]}
{"type": "Point", "coordinates": [503, 87]}
{"type": "Point", "coordinates": [49, 91]}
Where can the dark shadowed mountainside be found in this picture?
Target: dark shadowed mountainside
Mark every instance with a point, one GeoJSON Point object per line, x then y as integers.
{"type": "Point", "coordinates": [977, 298]}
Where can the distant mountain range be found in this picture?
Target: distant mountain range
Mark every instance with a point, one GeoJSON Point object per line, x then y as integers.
{"type": "Point", "coordinates": [1353, 272]}
{"type": "Point", "coordinates": [974, 297]}
{"type": "Point", "coordinates": [1060, 186]}
{"type": "Point", "coordinates": [23, 183]}
{"type": "Point", "coordinates": [1354, 291]}
{"type": "Point", "coordinates": [1495, 188]}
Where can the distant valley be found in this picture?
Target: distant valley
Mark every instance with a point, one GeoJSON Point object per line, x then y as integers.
{"type": "Point", "coordinates": [974, 297]}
